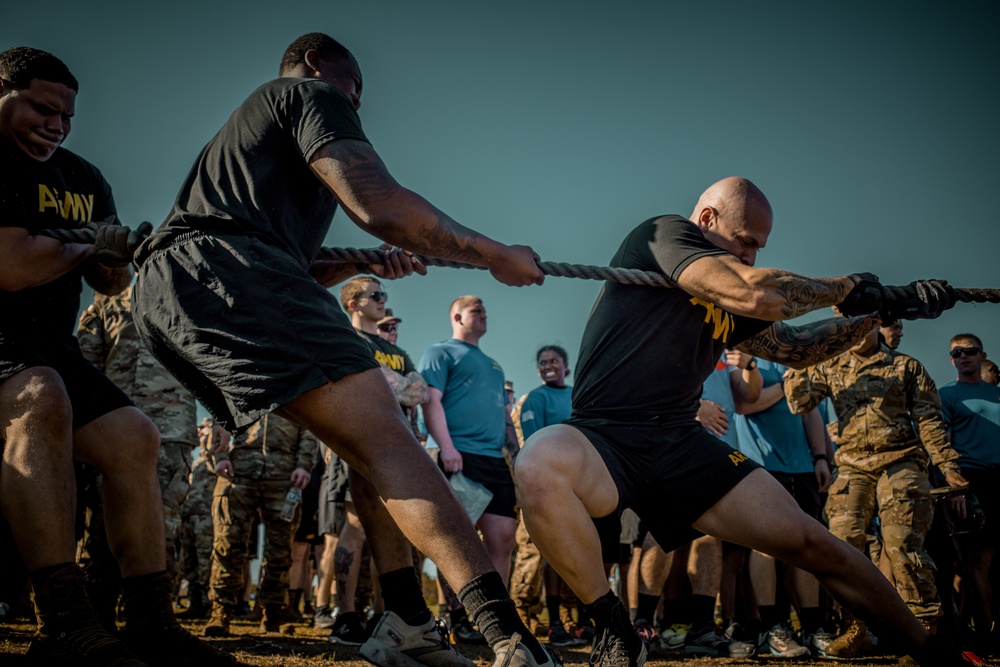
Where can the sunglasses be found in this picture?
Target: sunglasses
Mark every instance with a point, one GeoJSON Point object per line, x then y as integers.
{"type": "Point", "coordinates": [964, 352]}
{"type": "Point", "coordinates": [378, 296]}
{"type": "Point", "coordinates": [389, 328]}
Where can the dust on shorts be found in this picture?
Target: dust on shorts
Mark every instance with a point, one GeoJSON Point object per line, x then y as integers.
{"type": "Point", "coordinates": [669, 476]}
{"type": "Point", "coordinates": [494, 474]}
{"type": "Point", "coordinates": [242, 325]}
{"type": "Point", "coordinates": [91, 394]}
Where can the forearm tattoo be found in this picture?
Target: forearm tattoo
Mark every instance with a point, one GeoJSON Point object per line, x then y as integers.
{"type": "Point", "coordinates": [363, 180]}
{"type": "Point", "coordinates": [808, 344]}
{"type": "Point", "coordinates": [801, 295]}
{"type": "Point", "coordinates": [447, 239]}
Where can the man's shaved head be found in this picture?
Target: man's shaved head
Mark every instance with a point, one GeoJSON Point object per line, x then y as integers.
{"type": "Point", "coordinates": [735, 215]}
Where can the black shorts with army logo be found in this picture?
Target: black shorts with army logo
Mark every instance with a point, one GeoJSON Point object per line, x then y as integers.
{"type": "Point", "coordinates": [91, 394]}
{"type": "Point", "coordinates": [242, 324]}
{"type": "Point", "coordinates": [669, 476]}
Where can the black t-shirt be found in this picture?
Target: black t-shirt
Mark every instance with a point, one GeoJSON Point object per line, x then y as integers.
{"type": "Point", "coordinates": [646, 351]}
{"type": "Point", "coordinates": [253, 177]}
{"type": "Point", "coordinates": [387, 353]}
{"type": "Point", "coordinates": [64, 192]}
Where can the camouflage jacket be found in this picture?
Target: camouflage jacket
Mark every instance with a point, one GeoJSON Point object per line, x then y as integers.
{"type": "Point", "coordinates": [271, 449]}
{"type": "Point", "coordinates": [109, 340]}
{"type": "Point", "coordinates": [879, 400]}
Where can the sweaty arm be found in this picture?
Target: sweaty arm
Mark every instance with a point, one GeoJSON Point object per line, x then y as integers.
{"type": "Point", "coordinates": [373, 199]}
{"type": "Point", "coordinates": [765, 294]}
{"type": "Point", "coordinates": [809, 344]}
{"type": "Point", "coordinates": [29, 261]}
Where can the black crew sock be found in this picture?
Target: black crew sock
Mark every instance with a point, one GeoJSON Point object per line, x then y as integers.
{"type": "Point", "coordinates": [702, 611]}
{"type": "Point", "coordinates": [647, 608]}
{"type": "Point", "coordinates": [494, 613]}
{"type": "Point", "coordinates": [606, 610]}
{"type": "Point", "coordinates": [402, 594]}
{"type": "Point", "coordinates": [39, 576]}
{"type": "Point", "coordinates": [768, 616]}
{"type": "Point", "coordinates": [810, 619]}
{"type": "Point", "coordinates": [674, 612]}
{"type": "Point", "coordinates": [552, 603]}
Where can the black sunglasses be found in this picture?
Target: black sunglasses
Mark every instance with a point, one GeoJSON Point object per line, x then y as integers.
{"type": "Point", "coordinates": [388, 328]}
{"type": "Point", "coordinates": [379, 296]}
{"type": "Point", "coordinates": [964, 352]}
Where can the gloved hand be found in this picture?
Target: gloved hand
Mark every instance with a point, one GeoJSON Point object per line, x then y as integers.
{"type": "Point", "coordinates": [920, 300]}
{"type": "Point", "coordinates": [866, 297]}
{"type": "Point", "coordinates": [116, 244]}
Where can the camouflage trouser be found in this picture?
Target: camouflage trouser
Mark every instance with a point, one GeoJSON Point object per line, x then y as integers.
{"type": "Point", "coordinates": [233, 510]}
{"type": "Point", "coordinates": [526, 575]}
{"type": "Point", "coordinates": [901, 496]}
{"type": "Point", "coordinates": [196, 555]}
{"type": "Point", "coordinates": [173, 470]}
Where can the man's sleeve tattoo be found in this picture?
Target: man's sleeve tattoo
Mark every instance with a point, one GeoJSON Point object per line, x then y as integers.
{"type": "Point", "coordinates": [809, 344]}
{"type": "Point", "coordinates": [358, 168]}
{"type": "Point", "coordinates": [801, 295]}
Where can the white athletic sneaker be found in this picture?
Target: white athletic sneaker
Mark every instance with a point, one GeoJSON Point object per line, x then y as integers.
{"type": "Point", "coordinates": [512, 653]}
{"type": "Point", "coordinates": [780, 642]}
{"type": "Point", "coordinates": [394, 643]}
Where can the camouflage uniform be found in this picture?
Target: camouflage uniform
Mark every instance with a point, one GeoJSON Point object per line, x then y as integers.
{"type": "Point", "coordinates": [109, 340]}
{"type": "Point", "coordinates": [882, 464]}
{"type": "Point", "coordinates": [196, 534]}
{"type": "Point", "coordinates": [263, 460]}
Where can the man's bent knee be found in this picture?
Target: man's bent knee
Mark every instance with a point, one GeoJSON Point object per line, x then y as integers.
{"type": "Point", "coordinates": [39, 395]}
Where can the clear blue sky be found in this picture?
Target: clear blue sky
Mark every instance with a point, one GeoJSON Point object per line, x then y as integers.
{"type": "Point", "coordinates": [872, 128]}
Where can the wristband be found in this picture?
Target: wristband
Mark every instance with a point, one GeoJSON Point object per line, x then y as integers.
{"type": "Point", "coordinates": [819, 457]}
{"type": "Point", "coordinates": [752, 364]}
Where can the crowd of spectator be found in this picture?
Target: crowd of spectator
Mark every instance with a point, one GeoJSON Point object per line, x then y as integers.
{"type": "Point", "coordinates": [860, 442]}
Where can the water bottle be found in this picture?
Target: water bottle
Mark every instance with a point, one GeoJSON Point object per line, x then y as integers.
{"type": "Point", "coordinates": [292, 500]}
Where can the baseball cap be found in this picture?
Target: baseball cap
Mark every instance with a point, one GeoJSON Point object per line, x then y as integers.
{"type": "Point", "coordinates": [388, 319]}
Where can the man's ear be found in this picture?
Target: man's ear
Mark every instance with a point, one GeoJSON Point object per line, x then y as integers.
{"type": "Point", "coordinates": [352, 304]}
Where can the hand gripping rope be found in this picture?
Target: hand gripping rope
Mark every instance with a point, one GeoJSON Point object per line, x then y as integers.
{"type": "Point", "coordinates": [561, 269]}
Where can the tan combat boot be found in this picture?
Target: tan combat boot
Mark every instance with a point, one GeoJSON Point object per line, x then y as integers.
{"type": "Point", "coordinates": [218, 623]}
{"type": "Point", "coordinates": [852, 643]}
{"type": "Point", "coordinates": [278, 618]}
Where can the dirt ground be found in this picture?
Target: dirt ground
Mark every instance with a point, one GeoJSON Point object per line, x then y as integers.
{"type": "Point", "coordinates": [309, 647]}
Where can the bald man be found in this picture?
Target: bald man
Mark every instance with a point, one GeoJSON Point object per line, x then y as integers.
{"type": "Point", "coordinates": [633, 441]}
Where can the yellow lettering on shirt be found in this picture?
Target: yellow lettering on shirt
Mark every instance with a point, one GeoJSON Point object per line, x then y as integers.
{"type": "Point", "coordinates": [393, 361]}
{"type": "Point", "coordinates": [737, 458]}
{"type": "Point", "coordinates": [46, 199]}
{"type": "Point", "coordinates": [722, 320]}
{"type": "Point", "coordinates": [76, 206]}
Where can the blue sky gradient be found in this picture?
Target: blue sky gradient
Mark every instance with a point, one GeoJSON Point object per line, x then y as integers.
{"type": "Point", "coordinates": [872, 128]}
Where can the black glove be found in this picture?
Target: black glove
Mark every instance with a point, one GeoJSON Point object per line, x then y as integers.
{"type": "Point", "coordinates": [866, 297]}
{"type": "Point", "coordinates": [115, 244]}
{"type": "Point", "coordinates": [920, 300]}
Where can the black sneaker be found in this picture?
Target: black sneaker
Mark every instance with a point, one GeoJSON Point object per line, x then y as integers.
{"type": "Point", "coordinates": [348, 630]}
{"type": "Point", "coordinates": [618, 649]}
{"type": "Point", "coordinates": [463, 632]}
{"type": "Point", "coordinates": [559, 637]}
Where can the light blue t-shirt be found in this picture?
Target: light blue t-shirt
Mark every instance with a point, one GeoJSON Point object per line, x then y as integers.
{"type": "Point", "coordinates": [775, 438]}
{"type": "Point", "coordinates": [972, 411]}
{"type": "Point", "coordinates": [545, 406]}
{"type": "Point", "coordinates": [473, 395]}
{"type": "Point", "coordinates": [717, 388]}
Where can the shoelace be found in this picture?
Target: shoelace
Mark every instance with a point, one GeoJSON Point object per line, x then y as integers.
{"type": "Point", "coordinates": [601, 647]}
{"type": "Point", "coordinates": [515, 639]}
{"type": "Point", "coordinates": [89, 638]}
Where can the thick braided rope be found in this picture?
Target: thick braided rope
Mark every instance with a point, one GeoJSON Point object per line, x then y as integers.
{"type": "Point", "coordinates": [558, 269]}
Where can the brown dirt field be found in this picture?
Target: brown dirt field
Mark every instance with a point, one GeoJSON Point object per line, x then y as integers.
{"type": "Point", "coordinates": [310, 648]}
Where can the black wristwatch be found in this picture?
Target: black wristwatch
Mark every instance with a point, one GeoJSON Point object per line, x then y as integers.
{"type": "Point", "coordinates": [818, 457]}
{"type": "Point", "coordinates": [752, 364]}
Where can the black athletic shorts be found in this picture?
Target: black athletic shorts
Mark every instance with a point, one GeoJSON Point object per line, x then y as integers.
{"type": "Point", "coordinates": [242, 325]}
{"type": "Point", "coordinates": [494, 474]}
{"type": "Point", "coordinates": [91, 393]}
{"type": "Point", "coordinates": [985, 484]}
{"type": "Point", "coordinates": [333, 493]}
{"type": "Point", "coordinates": [669, 476]}
{"type": "Point", "coordinates": [804, 488]}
